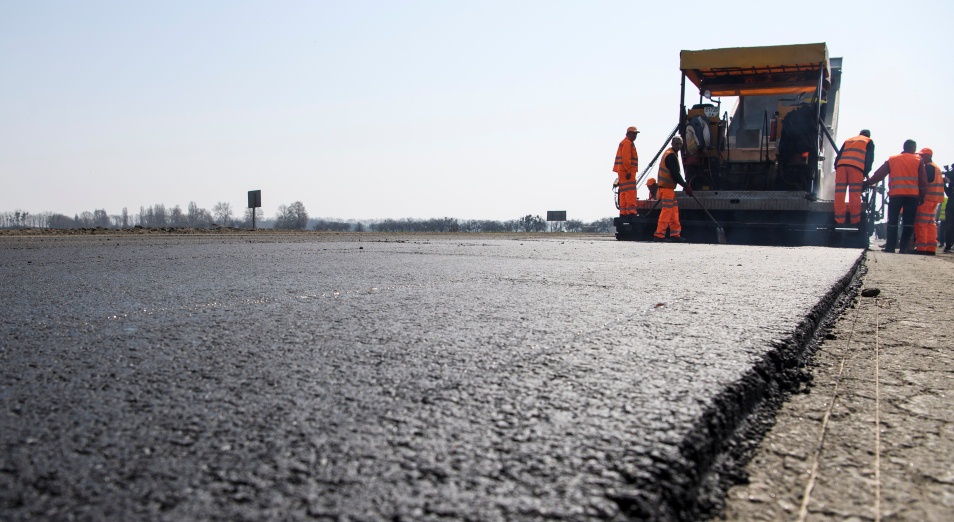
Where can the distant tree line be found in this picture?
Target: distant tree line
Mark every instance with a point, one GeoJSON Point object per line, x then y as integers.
{"type": "Point", "coordinates": [288, 217]}
{"type": "Point", "coordinates": [96, 218]}
{"type": "Point", "coordinates": [153, 216]}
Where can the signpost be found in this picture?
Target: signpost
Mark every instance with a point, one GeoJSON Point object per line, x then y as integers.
{"type": "Point", "coordinates": [556, 215]}
{"type": "Point", "coordinates": [254, 202]}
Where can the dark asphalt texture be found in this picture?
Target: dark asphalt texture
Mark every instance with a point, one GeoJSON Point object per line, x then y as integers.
{"type": "Point", "coordinates": [421, 378]}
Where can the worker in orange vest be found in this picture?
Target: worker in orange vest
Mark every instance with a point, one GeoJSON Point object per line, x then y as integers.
{"type": "Point", "coordinates": [925, 226]}
{"type": "Point", "coordinates": [907, 187]}
{"type": "Point", "coordinates": [626, 168]}
{"type": "Point", "coordinates": [669, 176]}
{"type": "Point", "coordinates": [851, 168]}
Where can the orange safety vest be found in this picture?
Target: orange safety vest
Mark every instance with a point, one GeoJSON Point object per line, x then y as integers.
{"type": "Point", "coordinates": [855, 150]}
{"type": "Point", "coordinates": [903, 174]}
{"type": "Point", "coordinates": [935, 189]}
{"type": "Point", "coordinates": [626, 148]}
{"type": "Point", "coordinates": [665, 179]}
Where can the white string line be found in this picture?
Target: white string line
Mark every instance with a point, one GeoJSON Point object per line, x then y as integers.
{"type": "Point", "coordinates": [877, 505]}
{"type": "Point", "coordinates": [816, 457]}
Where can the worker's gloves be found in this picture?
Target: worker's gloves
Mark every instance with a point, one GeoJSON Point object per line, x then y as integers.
{"type": "Point", "coordinates": [865, 185]}
{"type": "Point", "coordinates": [920, 201]}
{"type": "Point", "coordinates": [688, 190]}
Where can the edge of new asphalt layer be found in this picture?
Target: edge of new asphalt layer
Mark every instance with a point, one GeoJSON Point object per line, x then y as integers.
{"type": "Point", "coordinates": [727, 434]}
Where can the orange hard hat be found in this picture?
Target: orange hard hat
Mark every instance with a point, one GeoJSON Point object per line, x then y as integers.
{"type": "Point", "coordinates": [650, 182]}
{"type": "Point", "coordinates": [927, 152]}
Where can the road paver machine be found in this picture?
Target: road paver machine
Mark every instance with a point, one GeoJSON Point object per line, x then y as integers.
{"type": "Point", "coordinates": [765, 172]}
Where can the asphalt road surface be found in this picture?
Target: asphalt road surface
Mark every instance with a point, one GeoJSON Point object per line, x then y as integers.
{"type": "Point", "coordinates": [370, 377]}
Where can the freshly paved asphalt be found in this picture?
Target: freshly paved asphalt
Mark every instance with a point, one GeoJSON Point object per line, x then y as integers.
{"type": "Point", "coordinates": [389, 377]}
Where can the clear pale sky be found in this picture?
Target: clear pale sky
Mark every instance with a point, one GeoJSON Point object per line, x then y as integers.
{"type": "Point", "coordinates": [407, 109]}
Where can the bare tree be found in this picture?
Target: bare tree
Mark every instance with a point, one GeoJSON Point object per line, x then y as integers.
{"type": "Point", "coordinates": [159, 216]}
{"type": "Point", "coordinates": [531, 223]}
{"type": "Point", "coordinates": [197, 217]}
{"type": "Point", "coordinates": [60, 221]}
{"type": "Point", "coordinates": [247, 219]}
{"type": "Point", "coordinates": [292, 217]}
{"type": "Point", "coordinates": [203, 219]}
{"type": "Point", "coordinates": [100, 218]}
{"type": "Point", "coordinates": [85, 219]}
{"type": "Point", "coordinates": [177, 217]}
{"type": "Point", "coordinates": [154, 216]}
{"type": "Point", "coordinates": [193, 214]}
{"type": "Point", "coordinates": [20, 218]}
{"type": "Point", "coordinates": [604, 225]}
{"type": "Point", "coordinates": [222, 212]}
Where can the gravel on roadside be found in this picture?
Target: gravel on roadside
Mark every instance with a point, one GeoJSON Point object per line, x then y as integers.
{"type": "Point", "coordinates": [872, 438]}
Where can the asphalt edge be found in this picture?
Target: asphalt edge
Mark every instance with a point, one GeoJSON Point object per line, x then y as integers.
{"type": "Point", "coordinates": [713, 455]}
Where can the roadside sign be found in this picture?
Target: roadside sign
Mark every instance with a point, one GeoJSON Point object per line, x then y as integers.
{"type": "Point", "coordinates": [254, 198]}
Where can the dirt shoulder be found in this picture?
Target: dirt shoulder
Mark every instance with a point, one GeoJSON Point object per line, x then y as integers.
{"type": "Point", "coordinates": [873, 437]}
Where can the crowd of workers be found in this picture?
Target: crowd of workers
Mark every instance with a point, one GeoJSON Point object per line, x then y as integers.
{"type": "Point", "coordinates": [918, 191]}
{"type": "Point", "coordinates": [663, 190]}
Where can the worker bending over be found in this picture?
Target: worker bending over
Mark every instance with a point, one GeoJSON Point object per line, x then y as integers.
{"type": "Point", "coordinates": [669, 176]}
{"type": "Point", "coordinates": [626, 168]}
{"type": "Point", "coordinates": [907, 187]}
{"type": "Point", "coordinates": [851, 168]}
{"type": "Point", "coordinates": [925, 227]}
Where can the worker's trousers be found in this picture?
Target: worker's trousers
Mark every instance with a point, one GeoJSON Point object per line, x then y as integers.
{"type": "Point", "coordinates": [627, 197]}
{"type": "Point", "coordinates": [848, 179]}
{"type": "Point", "coordinates": [905, 208]}
{"type": "Point", "coordinates": [949, 228]}
{"type": "Point", "coordinates": [668, 214]}
{"type": "Point", "coordinates": [925, 228]}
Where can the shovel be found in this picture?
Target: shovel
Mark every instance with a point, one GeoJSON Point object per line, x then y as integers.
{"type": "Point", "coordinates": [720, 233]}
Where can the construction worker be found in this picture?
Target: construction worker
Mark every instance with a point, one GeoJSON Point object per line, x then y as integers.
{"type": "Point", "coordinates": [925, 227]}
{"type": "Point", "coordinates": [626, 168]}
{"type": "Point", "coordinates": [653, 188]}
{"type": "Point", "coordinates": [907, 187]}
{"type": "Point", "coordinates": [669, 176]}
{"type": "Point", "coordinates": [852, 166]}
